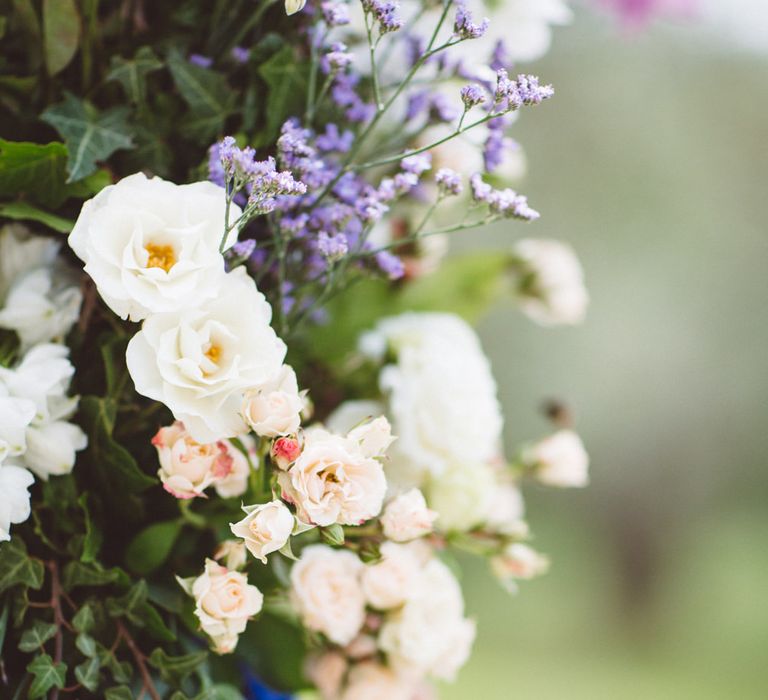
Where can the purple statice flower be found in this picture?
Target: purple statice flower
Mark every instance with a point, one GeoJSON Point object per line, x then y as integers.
{"type": "Point", "coordinates": [216, 172]}
{"type": "Point", "coordinates": [442, 108]}
{"type": "Point", "coordinates": [417, 164]}
{"type": "Point", "coordinates": [526, 90]}
{"type": "Point", "coordinates": [405, 182]}
{"type": "Point", "coordinates": [500, 57]}
{"type": "Point", "coordinates": [344, 95]}
{"type": "Point", "coordinates": [387, 190]}
{"type": "Point", "coordinates": [337, 59]}
{"type": "Point", "coordinates": [244, 249]}
{"type": "Point", "coordinates": [496, 144]}
{"type": "Point", "coordinates": [506, 202]}
{"type": "Point", "coordinates": [480, 190]}
{"type": "Point", "coordinates": [197, 59]}
{"type": "Point", "coordinates": [386, 14]}
{"type": "Point", "coordinates": [531, 92]}
{"type": "Point", "coordinates": [448, 182]}
{"type": "Point", "coordinates": [361, 111]}
{"type": "Point", "coordinates": [465, 28]}
{"type": "Point", "coordinates": [371, 208]}
{"type": "Point", "coordinates": [335, 14]}
{"type": "Point", "coordinates": [240, 54]}
{"type": "Point", "coordinates": [390, 264]}
{"type": "Point", "coordinates": [415, 48]}
{"type": "Point", "coordinates": [294, 226]}
{"type": "Point", "coordinates": [418, 102]}
{"type": "Point", "coordinates": [333, 247]}
{"type": "Point", "coordinates": [334, 140]}
{"type": "Point", "coordinates": [472, 95]}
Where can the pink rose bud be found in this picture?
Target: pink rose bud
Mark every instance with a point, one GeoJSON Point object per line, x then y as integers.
{"type": "Point", "coordinates": [285, 451]}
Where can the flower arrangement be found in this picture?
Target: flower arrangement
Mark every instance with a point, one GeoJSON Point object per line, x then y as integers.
{"type": "Point", "coordinates": [248, 436]}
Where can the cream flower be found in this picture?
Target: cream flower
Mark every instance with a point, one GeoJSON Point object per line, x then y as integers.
{"type": "Point", "coordinates": [373, 681]}
{"type": "Point", "coordinates": [224, 602]}
{"type": "Point", "coordinates": [518, 561]}
{"type": "Point", "coordinates": [235, 467]}
{"type": "Point", "coordinates": [265, 529]}
{"type": "Point", "coordinates": [294, 6]}
{"type": "Point", "coordinates": [552, 288]}
{"type": "Point", "coordinates": [326, 671]}
{"type": "Point", "coordinates": [274, 408]}
{"type": "Point", "coordinates": [232, 554]}
{"type": "Point", "coordinates": [560, 460]}
{"type": "Point", "coordinates": [407, 517]}
{"type": "Point", "coordinates": [388, 583]}
{"type": "Point", "coordinates": [14, 497]}
{"type": "Point", "coordinates": [506, 511]}
{"type": "Point", "coordinates": [152, 246]}
{"type": "Point", "coordinates": [200, 362]}
{"type": "Point", "coordinates": [325, 588]}
{"type": "Point", "coordinates": [334, 480]}
{"type": "Point", "coordinates": [463, 495]}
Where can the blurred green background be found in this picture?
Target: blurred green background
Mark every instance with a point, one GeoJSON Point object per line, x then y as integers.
{"type": "Point", "coordinates": [653, 162]}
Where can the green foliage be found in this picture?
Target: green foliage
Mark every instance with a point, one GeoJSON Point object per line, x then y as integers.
{"type": "Point", "coordinates": [90, 135]}
{"type": "Point", "coordinates": [287, 82]}
{"type": "Point", "coordinates": [47, 675]}
{"type": "Point", "coordinates": [132, 73]}
{"type": "Point", "coordinates": [24, 211]}
{"type": "Point", "coordinates": [174, 669]}
{"type": "Point", "coordinates": [61, 33]}
{"type": "Point", "coordinates": [17, 567]}
{"type": "Point", "coordinates": [37, 635]}
{"type": "Point", "coordinates": [34, 170]}
{"type": "Point", "coordinates": [151, 547]}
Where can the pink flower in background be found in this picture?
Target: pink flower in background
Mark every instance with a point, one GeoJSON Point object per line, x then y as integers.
{"type": "Point", "coordinates": [638, 13]}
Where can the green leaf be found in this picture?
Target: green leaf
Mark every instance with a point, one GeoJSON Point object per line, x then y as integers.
{"type": "Point", "coordinates": [86, 645]}
{"type": "Point", "coordinates": [84, 619]}
{"type": "Point", "coordinates": [174, 669]}
{"type": "Point", "coordinates": [93, 536]}
{"type": "Point", "coordinates": [220, 691]}
{"type": "Point", "coordinates": [87, 674]}
{"type": "Point", "coordinates": [128, 603]}
{"type": "Point", "coordinates": [34, 638]}
{"type": "Point", "coordinates": [151, 547]}
{"type": "Point", "coordinates": [35, 170]}
{"type": "Point", "coordinates": [153, 623]}
{"type": "Point", "coordinates": [3, 625]}
{"type": "Point", "coordinates": [90, 135]}
{"type": "Point", "coordinates": [17, 567]}
{"type": "Point", "coordinates": [207, 93]}
{"type": "Point", "coordinates": [46, 674]}
{"type": "Point", "coordinates": [88, 186]}
{"type": "Point", "coordinates": [287, 82]}
{"type": "Point", "coordinates": [61, 33]}
{"type": "Point", "coordinates": [78, 574]}
{"type": "Point", "coordinates": [23, 211]}
{"type": "Point", "coordinates": [131, 74]}
{"type": "Point", "coordinates": [119, 692]}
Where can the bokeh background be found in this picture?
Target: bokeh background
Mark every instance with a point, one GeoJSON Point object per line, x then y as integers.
{"type": "Point", "coordinates": [653, 162]}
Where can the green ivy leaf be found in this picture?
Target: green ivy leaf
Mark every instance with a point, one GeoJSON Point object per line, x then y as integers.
{"type": "Point", "coordinates": [46, 674]}
{"type": "Point", "coordinates": [151, 547]}
{"type": "Point", "coordinates": [128, 603]}
{"type": "Point", "coordinates": [119, 692]}
{"type": "Point", "coordinates": [78, 574]}
{"type": "Point", "coordinates": [61, 33]}
{"type": "Point", "coordinates": [132, 73]}
{"type": "Point", "coordinates": [86, 645]}
{"type": "Point", "coordinates": [90, 135]}
{"type": "Point", "coordinates": [34, 638]}
{"type": "Point", "coordinates": [35, 170]}
{"type": "Point", "coordinates": [174, 669]}
{"type": "Point", "coordinates": [287, 82]}
{"type": "Point", "coordinates": [154, 624]}
{"type": "Point", "coordinates": [87, 674]}
{"type": "Point", "coordinates": [93, 536]}
{"type": "Point", "coordinates": [84, 619]}
{"type": "Point", "coordinates": [23, 211]}
{"type": "Point", "coordinates": [17, 567]}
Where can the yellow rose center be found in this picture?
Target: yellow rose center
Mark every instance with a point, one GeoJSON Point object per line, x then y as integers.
{"type": "Point", "coordinates": [213, 353]}
{"type": "Point", "coordinates": [162, 256]}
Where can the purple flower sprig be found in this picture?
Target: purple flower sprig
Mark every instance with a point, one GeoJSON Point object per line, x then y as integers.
{"type": "Point", "coordinates": [511, 95]}
{"type": "Point", "coordinates": [465, 28]}
{"type": "Point", "coordinates": [504, 203]}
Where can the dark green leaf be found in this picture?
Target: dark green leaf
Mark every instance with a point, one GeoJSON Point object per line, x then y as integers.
{"type": "Point", "coordinates": [90, 135]}
{"type": "Point", "coordinates": [154, 624]}
{"type": "Point", "coordinates": [24, 211]}
{"type": "Point", "coordinates": [287, 82]}
{"type": "Point", "coordinates": [86, 645]}
{"type": "Point", "coordinates": [78, 574]}
{"type": "Point", "coordinates": [220, 691]}
{"type": "Point", "coordinates": [128, 603]}
{"type": "Point", "coordinates": [93, 536]}
{"type": "Point", "coordinates": [35, 170]}
{"type": "Point", "coordinates": [151, 547]}
{"type": "Point", "coordinates": [174, 669]}
{"type": "Point", "coordinates": [34, 638]}
{"type": "Point", "coordinates": [131, 74]}
{"type": "Point", "coordinates": [90, 185]}
{"type": "Point", "coordinates": [3, 625]}
{"type": "Point", "coordinates": [17, 567]}
{"type": "Point", "coordinates": [46, 674]}
{"type": "Point", "coordinates": [61, 33]}
{"type": "Point", "coordinates": [120, 692]}
{"type": "Point", "coordinates": [87, 674]}
{"type": "Point", "coordinates": [84, 620]}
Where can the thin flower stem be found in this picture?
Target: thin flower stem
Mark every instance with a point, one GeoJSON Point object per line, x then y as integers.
{"type": "Point", "coordinates": [425, 218]}
{"type": "Point", "coordinates": [372, 52]}
{"type": "Point", "coordinates": [189, 516]}
{"type": "Point", "coordinates": [249, 24]}
{"type": "Point", "coordinates": [314, 67]}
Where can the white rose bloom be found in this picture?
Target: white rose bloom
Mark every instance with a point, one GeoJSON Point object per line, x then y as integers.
{"type": "Point", "coordinates": [440, 370]}
{"type": "Point", "coordinates": [429, 635]}
{"type": "Point", "coordinates": [274, 408]}
{"type": "Point", "coordinates": [552, 290]}
{"type": "Point", "coordinates": [232, 554]}
{"type": "Point", "coordinates": [518, 561]}
{"type": "Point", "coordinates": [20, 252]}
{"type": "Point", "coordinates": [388, 583]}
{"type": "Point", "coordinates": [233, 478]}
{"type": "Point", "coordinates": [326, 591]}
{"type": "Point", "coordinates": [373, 437]}
{"type": "Point", "coordinates": [39, 311]}
{"type": "Point", "coordinates": [152, 246]}
{"type": "Point", "coordinates": [463, 495]}
{"type": "Point", "coordinates": [15, 415]}
{"type": "Point", "coordinates": [199, 362]}
{"type": "Point", "coordinates": [560, 460]}
{"type": "Point", "coordinates": [14, 497]}
{"type": "Point", "coordinates": [224, 602]}
{"type": "Point", "coordinates": [372, 681]}
{"type": "Point", "coordinates": [407, 517]}
{"type": "Point", "coordinates": [334, 481]}
{"type": "Point", "coordinates": [506, 511]}
{"type": "Point", "coordinates": [265, 529]}
{"type": "Point", "coordinates": [350, 414]}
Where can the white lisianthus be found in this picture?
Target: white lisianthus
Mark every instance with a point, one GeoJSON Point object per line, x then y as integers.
{"type": "Point", "coordinates": [326, 591]}
{"type": "Point", "coordinates": [233, 479]}
{"type": "Point", "coordinates": [407, 517]}
{"type": "Point", "coordinates": [152, 246]}
{"type": "Point", "coordinates": [518, 561]}
{"type": "Point", "coordinates": [559, 460]}
{"type": "Point", "coordinates": [388, 583]}
{"type": "Point", "coordinates": [15, 415]}
{"type": "Point", "coordinates": [294, 6]}
{"type": "Point", "coordinates": [52, 447]}
{"type": "Point", "coordinates": [334, 480]}
{"type": "Point", "coordinates": [274, 408]}
{"type": "Point", "coordinates": [552, 290]}
{"type": "Point", "coordinates": [429, 635]}
{"type": "Point", "coordinates": [440, 370]}
{"type": "Point", "coordinates": [224, 602]}
{"type": "Point", "coordinates": [463, 495]}
{"type": "Point", "coordinates": [373, 681]}
{"type": "Point", "coordinates": [199, 362]}
{"type": "Point", "coordinates": [265, 529]}
{"type": "Point", "coordinates": [14, 497]}
{"type": "Point", "coordinates": [20, 252]}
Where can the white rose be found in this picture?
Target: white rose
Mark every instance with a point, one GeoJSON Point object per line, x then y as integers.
{"type": "Point", "coordinates": [274, 408]}
{"type": "Point", "coordinates": [407, 517]}
{"type": "Point", "coordinates": [325, 588]}
{"type": "Point", "coordinates": [40, 309]}
{"type": "Point", "coordinates": [333, 481]}
{"type": "Point", "coordinates": [232, 554]}
{"type": "Point", "coordinates": [265, 529]}
{"type": "Point", "coordinates": [232, 478]}
{"type": "Point", "coordinates": [14, 497]}
{"type": "Point", "coordinates": [463, 496]}
{"type": "Point", "coordinates": [560, 460]}
{"type": "Point", "coordinates": [199, 362]}
{"type": "Point", "coordinates": [20, 252]}
{"type": "Point", "coordinates": [373, 437]}
{"type": "Point", "coordinates": [187, 467]}
{"type": "Point", "coordinates": [224, 602]}
{"type": "Point", "coordinates": [152, 246]}
{"type": "Point", "coordinates": [506, 511]}
{"type": "Point", "coordinates": [552, 282]}
{"type": "Point", "coordinates": [518, 561]}
{"type": "Point", "coordinates": [326, 671]}
{"type": "Point", "coordinates": [372, 681]}
{"type": "Point", "coordinates": [350, 414]}
{"type": "Point", "coordinates": [388, 583]}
